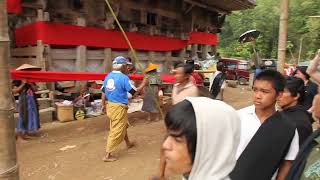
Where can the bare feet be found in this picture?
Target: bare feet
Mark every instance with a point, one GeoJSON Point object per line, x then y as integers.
{"type": "Point", "coordinates": [109, 158]}
{"type": "Point", "coordinates": [33, 134]}
{"type": "Point", "coordinates": [157, 178]}
{"type": "Point", "coordinates": [22, 139]}
{"type": "Point", "coordinates": [131, 145]}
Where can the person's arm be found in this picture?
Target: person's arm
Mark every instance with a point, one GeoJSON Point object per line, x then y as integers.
{"type": "Point", "coordinates": [18, 89]}
{"type": "Point", "coordinates": [312, 68]}
{"type": "Point", "coordinates": [223, 86]}
{"type": "Point", "coordinates": [283, 170]}
{"type": "Point", "coordinates": [133, 90]}
{"type": "Point", "coordinates": [290, 157]}
{"type": "Point", "coordinates": [103, 100]}
{"type": "Point", "coordinates": [221, 94]}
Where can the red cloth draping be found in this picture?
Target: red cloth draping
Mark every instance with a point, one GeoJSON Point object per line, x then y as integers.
{"type": "Point", "coordinates": [50, 76]}
{"type": "Point", "coordinates": [14, 6]}
{"type": "Point", "coordinates": [63, 34]}
{"type": "Point", "coordinates": [203, 38]}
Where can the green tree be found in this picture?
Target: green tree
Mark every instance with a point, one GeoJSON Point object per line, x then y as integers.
{"type": "Point", "coordinates": [265, 18]}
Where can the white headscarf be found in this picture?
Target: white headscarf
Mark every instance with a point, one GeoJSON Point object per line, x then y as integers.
{"type": "Point", "coordinates": [218, 135]}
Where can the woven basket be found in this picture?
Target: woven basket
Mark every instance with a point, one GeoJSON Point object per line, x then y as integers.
{"type": "Point", "coordinates": [65, 113]}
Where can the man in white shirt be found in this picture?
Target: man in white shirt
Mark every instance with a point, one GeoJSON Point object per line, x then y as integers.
{"type": "Point", "coordinates": [269, 142]}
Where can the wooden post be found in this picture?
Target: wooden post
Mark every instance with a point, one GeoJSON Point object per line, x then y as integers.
{"type": "Point", "coordinates": [107, 62]}
{"type": "Point", "coordinates": [81, 61]}
{"type": "Point", "coordinates": [168, 61]}
{"type": "Point", "coordinates": [182, 54]}
{"type": "Point", "coordinates": [46, 16]}
{"type": "Point", "coordinates": [41, 61]}
{"type": "Point", "coordinates": [283, 33]}
{"type": "Point", "coordinates": [40, 15]}
{"type": "Point", "coordinates": [204, 51]}
{"type": "Point", "coordinates": [151, 54]}
{"type": "Point", "coordinates": [214, 50]}
{"type": "Point", "coordinates": [194, 50]}
{"type": "Point", "coordinates": [8, 157]}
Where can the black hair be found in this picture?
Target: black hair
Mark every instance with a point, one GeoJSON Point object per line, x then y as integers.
{"type": "Point", "coordinates": [16, 83]}
{"type": "Point", "coordinates": [182, 118]}
{"type": "Point", "coordinates": [295, 86]}
{"type": "Point", "coordinates": [220, 66]}
{"type": "Point", "coordinates": [176, 64]}
{"type": "Point", "coordinates": [276, 78]}
{"type": "Point", "coordinates": [152, 71]}
{"type": "Point", "coordinates": [187, 68]}
{"type": "Point", "coordinates": [303, 70]}
{"type": "Point", "coordinates": [190, 62]}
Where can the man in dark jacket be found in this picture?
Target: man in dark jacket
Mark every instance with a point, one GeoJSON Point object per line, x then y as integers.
{"type": "Point", "coordinates": [289, 101]}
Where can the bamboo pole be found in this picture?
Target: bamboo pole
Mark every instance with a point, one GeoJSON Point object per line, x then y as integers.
{"type": "Point", "coordinates": [300, 50]}
{"type": "Point", "coordinates": [283, 33]}
{"type": "Point", "coordinates": [8, 158]}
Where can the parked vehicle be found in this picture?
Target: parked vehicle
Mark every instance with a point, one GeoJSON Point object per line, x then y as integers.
{"type": "Point", "coordinates": [269, 63]}
{"type": "Point", "coordinates": [236, 69]}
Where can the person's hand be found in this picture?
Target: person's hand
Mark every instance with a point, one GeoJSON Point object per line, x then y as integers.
{"type": "Point", "coordinates": [24, 82]}
{"type": "Point", "coordinates": [103, 109]}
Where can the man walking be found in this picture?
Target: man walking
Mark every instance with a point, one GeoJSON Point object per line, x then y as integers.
{"type": "Point", "coordinates": [117, 85]}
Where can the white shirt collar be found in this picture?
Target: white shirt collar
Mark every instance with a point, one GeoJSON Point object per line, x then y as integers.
{"type": "Point", "coordinates": [116, 71]}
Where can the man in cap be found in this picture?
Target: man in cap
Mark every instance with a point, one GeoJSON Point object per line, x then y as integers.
{"type": "Point", "coordinates": [116, 86]}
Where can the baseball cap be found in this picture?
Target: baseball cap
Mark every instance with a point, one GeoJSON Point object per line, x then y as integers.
{"type": "Point", "coordinates": [121, 60]}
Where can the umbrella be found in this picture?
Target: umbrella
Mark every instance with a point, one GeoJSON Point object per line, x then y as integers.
{"type": "Point", "coordinates": [248, 36]}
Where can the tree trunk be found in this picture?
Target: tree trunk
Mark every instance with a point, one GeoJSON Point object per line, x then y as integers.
{"type": "Point", "coordinates": [8, 158]}
{"type": "Point", "coordinates": [283, 33]}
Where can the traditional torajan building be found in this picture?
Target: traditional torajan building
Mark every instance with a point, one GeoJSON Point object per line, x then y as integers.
{"type": "Point", "coordinates": [82, 36]}
{"type": "Point", "coordinates": [48, 32]}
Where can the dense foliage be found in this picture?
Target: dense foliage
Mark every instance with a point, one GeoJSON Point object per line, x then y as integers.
{"type": "Point", "coordinates": [302, 29]}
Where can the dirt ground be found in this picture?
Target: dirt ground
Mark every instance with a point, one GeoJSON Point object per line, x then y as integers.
{"type": "Point", "coordinates": [42, 159]}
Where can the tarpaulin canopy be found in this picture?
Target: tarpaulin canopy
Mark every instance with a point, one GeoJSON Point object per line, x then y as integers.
{"type": "Point", "coordinates": [63, 34]}
{"type": "Point", "coordinates": [49, 76]}
{"type": "Point", "coordinates": [14, 6]}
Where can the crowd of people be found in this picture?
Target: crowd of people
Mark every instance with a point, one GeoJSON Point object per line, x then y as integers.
{"type": "Point", "coordinates": [208, 139]}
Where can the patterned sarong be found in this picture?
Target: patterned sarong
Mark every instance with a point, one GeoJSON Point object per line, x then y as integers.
{"type": "Point", "coordinates": [118, 116]}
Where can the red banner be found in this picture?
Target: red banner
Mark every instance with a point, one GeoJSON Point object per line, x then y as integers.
{"type": "Point", "coordinates": [49, 76]}
{"type": "Point", "coordinates": [63, 34]}
{"type": "Point", "coordinates": [14, 6]}
{"type": "Point", "coordinates": [203, 38]}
